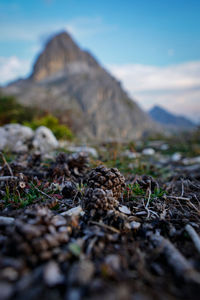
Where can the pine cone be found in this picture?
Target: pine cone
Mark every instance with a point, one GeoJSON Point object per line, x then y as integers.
{"type": "Point", "coordinates": [96, 202]}
{"type": "Point", "coordinates": [69, 190]}
{"type": "Point", "coordinates": [107, 179]}
{"type": "Point", "coordinates": [78, 163]}
{"type": "Point", "coordinates": [146, 181]}
{"type": "Point", "coordinates": [38, 235]}
{"type": "Point", "coordinates": [70, 166]}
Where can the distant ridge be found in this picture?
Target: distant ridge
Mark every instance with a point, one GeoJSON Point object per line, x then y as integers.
{"type": "Point", "coordinates": [69, 82]}
{"type": "Point", "coordinates": [165, 118]}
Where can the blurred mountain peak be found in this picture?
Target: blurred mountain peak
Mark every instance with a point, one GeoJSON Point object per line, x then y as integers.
{"type": "Point", "coordinates": [59, 52]}
{"type": "Point", "coordinates": [170, 120]}
{"type": "Point", "coordinates": [69, 83]}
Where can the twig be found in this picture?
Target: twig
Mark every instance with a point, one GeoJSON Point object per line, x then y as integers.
{"type": "Point", "coordinates": [175, 259]}
{"type": "Point", "coordinates": [105, 226]}
{"type": "Point", "coordinates": [194, 236]}
{"type": "Point", "coordinates": [43, 193]}
{"type": "Point", "coordinates": [5, 178]}
{"type": "Point", "coordinates": [6, 163]}
{"type": "Point", "coordinates": [148, 200]}
{"type": "Point", "coordinates": [182, 190]}
{"type": "Point", "coordinates": [178, 198]}
{"type": "Point", "coordinates": [186, 199]}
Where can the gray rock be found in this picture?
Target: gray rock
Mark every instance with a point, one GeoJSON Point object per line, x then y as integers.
{"type": "Point", "coordinates": [6, 220]}
{"type": "Point", "coordinates": [148, 151]}
{"type": "Point", "coordinates": [81, 272]}
{"type": "Point", "coordinates": [15, 137]}
{"type": "Point", "coordinates": [52, 274]}
{"type": "Point", "coordinates": [75, 211]}
{"type": "Point", "coordinates": [176, 157]}
{"type": "Point", "coordinates": [89, 150]}
{"type": "Point", "coordinates": [130, 155]}
{"type": "Point", "coordinates": [3, 139]}
{"type": "Point", "coordinates": [44, 140]}
{"type": "Point", "coordinates": [124, 209]}
{"type": "Point", "coordinates": [6, 290]}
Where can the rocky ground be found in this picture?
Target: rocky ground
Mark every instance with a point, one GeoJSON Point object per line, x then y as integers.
{"type": "Point", "coordinates": [75, 227]}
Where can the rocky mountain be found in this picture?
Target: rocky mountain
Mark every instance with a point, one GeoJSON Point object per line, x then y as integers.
{"type": "Point", "coordinates": [68, 82]}
{"type": "Point", "coordinates": [169, 120]}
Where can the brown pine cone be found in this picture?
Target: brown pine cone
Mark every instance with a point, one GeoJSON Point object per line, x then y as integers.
{"type": "Point", "coordinates": [146, 181]}
{"type": "Point", "coordinates": [96, 202]}
{"type": "Point", "coordinates": [70, 166]}
{"type": "Point", "coordinates": [38, 235]}
{"type": "Point", "coordinates": [107, 179]}
{"type": "Point", "coordinates": [78, 163]}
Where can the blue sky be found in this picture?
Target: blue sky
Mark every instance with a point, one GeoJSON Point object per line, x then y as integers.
{"type": "Point", "coordinates": [153, 39]}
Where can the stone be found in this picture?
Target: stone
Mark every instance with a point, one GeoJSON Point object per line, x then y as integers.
{"type": "Point", "coordinates": [130, 155]}
{"type": "Point", "coordinates": [176, 157]}
{"type": "Point", "coordinates": [82, 272]}
{"type": "Point", "coordinates": [148, 151]}
{"type": "Point", "coordinates": [4, 221]}
{"type": "Point", "coordinates": [15, 137]}
{"type": "Point", "coordinates": [124, 209]}
{"type": "Point", "coordinates": [135, 225]}
{"type": "Point", "coordinates": [3, 139]}
{"type": "Point", "coordinates": [52, 274]}
{"type": "Point", "coordinates": [44, 140]}
{"type": "Point", "coordinates": [88, 150]}
{"type": "Point", "coordinates": [73, 212]}
{"type": "Point", "coordinates": [164, 147]}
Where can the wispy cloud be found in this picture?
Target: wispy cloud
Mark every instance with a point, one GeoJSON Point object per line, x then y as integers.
{"type": "Point", "coordinates": [12, 67]}
{"type": "Point", "coordinates": [175, 87]}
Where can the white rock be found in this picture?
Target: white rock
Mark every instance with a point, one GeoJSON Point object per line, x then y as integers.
{"type": "Point", "coordinates": [135, 225]}
{"type": "Point", "coordinates": [52, 274]}
{"type": "Point", "coordinates": [176, 157]}
{"type": "Point", "coordinates": [75, 211]}
{"type": "Point", "coordinates": [191, 161]}
{"type": "Point", "coordinates": [44, 140]}
{"type": "Point", "coordinates": [3, 139]}
{"type": "Point", "coordinates": [129, 154]}
{"type": "Point", "coordinates": [89, 150]}
{"type": "Point", "coordinates": [124, 209]}
{"type": "Point", "coordinates": [15, 137]}
{"type": "Point", "coordinates": [6, 220]}
{"type": "Point", "coordinates": [148, 151]}
{"type": "Point", "coordinates": [164, 147]}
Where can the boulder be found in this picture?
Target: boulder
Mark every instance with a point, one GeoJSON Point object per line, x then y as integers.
{"type": "Point", "coordinates": [44, 140]}
{"type": "Point", "coordinates": [15, 137]}
{"type": "Point", "coordinates": [19, 139]}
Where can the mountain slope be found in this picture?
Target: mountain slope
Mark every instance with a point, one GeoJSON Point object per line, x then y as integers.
{"type": "Point", "coordinates": [70, 83]}
{"type": "Point", "coordinates": [170, 120]}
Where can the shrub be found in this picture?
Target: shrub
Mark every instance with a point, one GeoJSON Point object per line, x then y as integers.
{"type": "Point", "coordinates": [61, 131]}
{"type": "Point", "coordinates": [13, 112]}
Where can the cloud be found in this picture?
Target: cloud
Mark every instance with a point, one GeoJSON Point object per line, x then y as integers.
{"type": "Point", "coordinates": [12, 67]}
{"type": "Point", "coordinates": [175, 87]}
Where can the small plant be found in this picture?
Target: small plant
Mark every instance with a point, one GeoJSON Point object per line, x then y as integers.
{"type": "Point", "coordinates": [135, 192]}
{"type": "Point", "coordinates": [61, 131]}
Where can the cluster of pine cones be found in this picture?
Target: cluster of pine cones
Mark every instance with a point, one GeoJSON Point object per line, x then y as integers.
{"type": "Point", "coordinates": [38, 235]}
{"type": "Point", "coordinates": [105, 187]}
{"type": "Point", "coordinates": [72, 166]}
